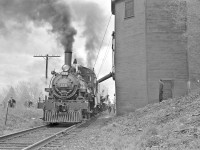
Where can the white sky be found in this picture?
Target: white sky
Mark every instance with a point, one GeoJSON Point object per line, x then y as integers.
{"type": "Point", "coordinates": [18, 48]}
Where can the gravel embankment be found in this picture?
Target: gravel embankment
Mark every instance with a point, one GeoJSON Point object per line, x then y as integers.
{"type": "Point", "coordinates": [171, 125]}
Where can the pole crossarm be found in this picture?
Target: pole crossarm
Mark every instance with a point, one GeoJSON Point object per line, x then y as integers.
{"type": "Point", "coordinates": [46, 57]}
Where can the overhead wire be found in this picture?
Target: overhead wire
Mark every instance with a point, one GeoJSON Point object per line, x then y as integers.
{"type": "Point", "coordinates": [104, 58]}
{"type": "Point", "coordinates": [102, 40]}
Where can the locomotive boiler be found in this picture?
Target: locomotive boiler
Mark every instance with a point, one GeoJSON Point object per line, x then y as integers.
{"type": "Point", "coordinates": [71, 94]}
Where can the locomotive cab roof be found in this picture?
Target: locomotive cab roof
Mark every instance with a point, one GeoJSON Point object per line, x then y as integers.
{"type": "Point", "coordinates": [86, 71]}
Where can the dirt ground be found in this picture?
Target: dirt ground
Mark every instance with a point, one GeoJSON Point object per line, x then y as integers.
{"type": "Point", "coordinates": [173, 124]}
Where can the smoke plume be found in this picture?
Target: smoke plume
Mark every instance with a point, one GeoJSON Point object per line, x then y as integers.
{"type": "Point", "coordinates": [94, 22]}
{"type": "Point", "coordinates": [41, 12]}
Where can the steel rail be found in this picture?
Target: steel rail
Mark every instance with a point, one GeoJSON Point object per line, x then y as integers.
{"type": "Point", "coordinates": [5, 137]}
{"type": "Point", "coordinates": [51, 138]}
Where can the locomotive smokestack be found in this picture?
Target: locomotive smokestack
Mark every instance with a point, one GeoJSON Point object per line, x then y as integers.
{"type": "Point", "coordinates": [68, 58]}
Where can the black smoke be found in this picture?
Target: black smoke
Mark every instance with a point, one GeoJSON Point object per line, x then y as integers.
{"type": "Point", "coordinates": [55, 13]}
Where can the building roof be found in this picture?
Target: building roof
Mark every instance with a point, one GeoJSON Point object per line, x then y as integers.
{"type": "Point", "coordinates": [113, 5]}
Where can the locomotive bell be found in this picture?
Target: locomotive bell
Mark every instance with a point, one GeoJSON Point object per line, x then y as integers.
{"type": "Point", "coordinates": [75, 62]}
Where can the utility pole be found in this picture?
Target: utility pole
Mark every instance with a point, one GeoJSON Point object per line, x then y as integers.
{"type": "Point", "coordinates": [46, 57]}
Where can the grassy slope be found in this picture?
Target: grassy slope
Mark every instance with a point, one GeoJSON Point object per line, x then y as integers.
{"type": "Point", "coordinates": [172, 124]}
{"type": "Point", "coordinates": [19, 118]}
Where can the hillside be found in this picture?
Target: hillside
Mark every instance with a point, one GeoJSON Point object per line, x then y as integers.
{"type": "Point", "coordinates": [173, 124]}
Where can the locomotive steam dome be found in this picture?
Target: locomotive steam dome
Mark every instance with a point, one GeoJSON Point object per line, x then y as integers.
{"type": "Point", "coordinates": [65, 85]}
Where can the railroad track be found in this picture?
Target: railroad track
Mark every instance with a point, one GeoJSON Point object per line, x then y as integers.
{"type": "Point", "coordinates": [43, 137]}
{"type": "Point", "coordinates": [34, 138]}
{"type": "Point", "coordinates": [58, 143]}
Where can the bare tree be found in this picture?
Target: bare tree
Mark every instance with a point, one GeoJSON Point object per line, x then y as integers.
{"type": "Point", "coordinates": [3, 94]}
{"type": "Point", "coordinates": [11, 93]}
{"type": "Point", "coordinates": [27, 91]}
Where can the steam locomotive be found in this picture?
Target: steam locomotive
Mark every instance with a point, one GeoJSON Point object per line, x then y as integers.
{"type": "Point", "coordinates": [72, 94]}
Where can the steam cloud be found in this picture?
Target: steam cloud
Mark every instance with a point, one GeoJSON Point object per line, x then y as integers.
{"type": "Point", "coordinates": [57, 14]}
{"type": "Point", "coordinates": [94, 21]}
{"type": "Point", "coordinates": [40, 12]}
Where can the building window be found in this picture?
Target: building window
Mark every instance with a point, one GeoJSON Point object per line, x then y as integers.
{"type": "Point", "coordinates": [129, 8]}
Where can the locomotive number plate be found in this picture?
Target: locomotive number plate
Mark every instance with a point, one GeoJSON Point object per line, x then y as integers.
{"type": "Point", "coordinates": [65, 73]}
{"type": "Point", "coordinates": [63, 85]}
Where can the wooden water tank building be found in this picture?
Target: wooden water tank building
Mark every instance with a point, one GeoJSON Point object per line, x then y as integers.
{"type": "Point", "coordinates": [151, 60]}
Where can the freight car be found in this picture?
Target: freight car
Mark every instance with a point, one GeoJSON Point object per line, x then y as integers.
{"type": "Point", "coordinates": [72, 94]}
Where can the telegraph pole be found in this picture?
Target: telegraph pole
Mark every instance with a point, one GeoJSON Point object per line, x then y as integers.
{"type": "Point", "coordinates": [46, 57]}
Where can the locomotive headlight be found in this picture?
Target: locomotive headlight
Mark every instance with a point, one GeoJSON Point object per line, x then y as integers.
{"type": "Point", "coordinates": [65, 68]}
